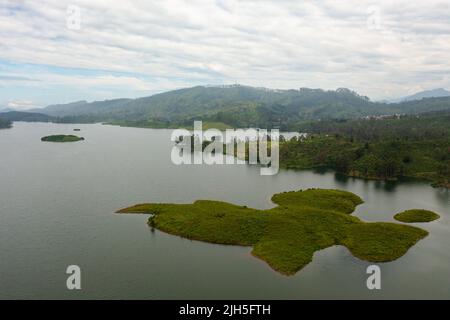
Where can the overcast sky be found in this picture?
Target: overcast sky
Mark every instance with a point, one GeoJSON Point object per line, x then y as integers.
{"type": "Point", "coordinates": [121, 48]}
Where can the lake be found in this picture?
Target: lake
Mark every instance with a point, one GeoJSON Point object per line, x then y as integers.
{"type": "Point", "coordinates": [57, 204]}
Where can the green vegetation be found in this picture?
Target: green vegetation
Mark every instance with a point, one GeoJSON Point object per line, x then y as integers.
{"type": "Point", "coordinates": [237, 106]}
{"type": "Point", "coordinates": [5, 124]}
{"type": "Point", "coordinates": [424, 126]}
{"type": "Point", "coordinates": [411, 146]}
{"type": "Point", "coordinates": [348, 132]}
{"type": "Point", "coordinates": [286, 236]}
{"type": "Point", "coordinates": [383, 149]}
{"type": "Point", "coordinates": [62, 138]}
{"type": "Point", "coordinates": [416, 215]}
{"type": "Point", "coordinates": [387, 160]}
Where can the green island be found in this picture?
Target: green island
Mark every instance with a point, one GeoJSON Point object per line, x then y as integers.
{"type": "Point", "coordinates": [5, 124]}
{"type": "Point", "coordinates": [416, 215]}
{"type": "Point", "coordinates": [62, 138]}
{"type": "Point", "coordinates": [287, 235]}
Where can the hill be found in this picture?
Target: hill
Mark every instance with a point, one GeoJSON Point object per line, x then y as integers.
{"type": "Point", "coordinates": [237, 106]}
{"type": "Point", "coordinates": [202, 101]}
{"type": "Point", "coordinates": [435, 93]}
{"type": "Point", "coordinates": [25, 116]}
{"type": "Point", "coordinates": [415, 146]}
{"type": "Point", "coordinates": [417, 126]}
{"type": "Point", "coordinates": [82, 108]}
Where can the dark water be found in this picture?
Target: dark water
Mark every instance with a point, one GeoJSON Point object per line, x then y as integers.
{"type": "Point", "coordinates": [57, 203]}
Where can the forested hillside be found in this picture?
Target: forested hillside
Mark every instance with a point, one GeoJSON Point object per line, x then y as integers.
{"type": "Point", "coordinates": [237, 106]}
{"type": "Point", "coordinates": [409, 146]}
{"type": "Point", "coordinates": [419, 126]}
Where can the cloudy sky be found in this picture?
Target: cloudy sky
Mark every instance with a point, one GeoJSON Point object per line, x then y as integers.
{"type": "Point", "coordinates": [59, 51]}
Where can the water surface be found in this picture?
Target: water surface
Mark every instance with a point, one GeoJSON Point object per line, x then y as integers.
{"type": "Point", "coordinates": [57, 204]}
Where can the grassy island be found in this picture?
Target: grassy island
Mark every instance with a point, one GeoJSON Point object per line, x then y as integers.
{"type": "Point", "coordinates": [62, 138]}
{"type": "Point", "coordinates": [286, 236]}
{"type": "Point", "coordinates": [416, 216]}
{"type": "Point", "coordinates": [5, 124]}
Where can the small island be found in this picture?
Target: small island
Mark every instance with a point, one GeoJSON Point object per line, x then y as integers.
{"type": "Point", "coordinates": [5, 124]}
{"type": "Point", "coordinates": [287, 236]}
{"type": "Point", "coordinates": [62, 138]}
{"type": "Point", "coordinates": [411, 216]}
{"type": "Point", "coordinates": [76, 129]}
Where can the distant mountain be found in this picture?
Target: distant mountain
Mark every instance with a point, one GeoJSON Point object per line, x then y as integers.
{"type": "Point", "coordinates": [25, 116]}
{"type": "Point", "coordinates": [5, 109]}
{"type": "Point", "coordinates": [238, 106]}
{"type": "Point", "coordinates": [203, 101]}
{"type": "Point", "coordinates": [81, 107]}
{"type": "Point", "coordinates": [434, 93]}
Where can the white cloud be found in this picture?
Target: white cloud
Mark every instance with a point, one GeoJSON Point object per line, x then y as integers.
{"type": "Point", "coordinates": [281, 44]}
{"type": "Point", "coordinates": [21, 104]}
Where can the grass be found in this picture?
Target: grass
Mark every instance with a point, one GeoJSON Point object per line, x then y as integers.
{"type": "Point", "coordinates": [61, 138]}
{"type": "Point", "coordinates": [286, 236]}
{"type": "Point", "coordinates": [416, 215]}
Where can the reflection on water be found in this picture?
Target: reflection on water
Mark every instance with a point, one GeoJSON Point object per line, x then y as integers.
{"type": "Point", "coordinates": [57, 203]}
{"type": "Point", "coordinates": [390, 185]}
{"type": "Point", "coordinates": [443, 196]}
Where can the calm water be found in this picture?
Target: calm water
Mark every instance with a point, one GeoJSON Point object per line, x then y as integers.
{"type": "Point", "coordinates": [57, 203]}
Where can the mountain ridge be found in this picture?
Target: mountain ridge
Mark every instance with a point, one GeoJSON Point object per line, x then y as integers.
{"type": "Point", "coordinates": [237, 106]}
{"type": "Point", "coordinates": [432, 93]}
